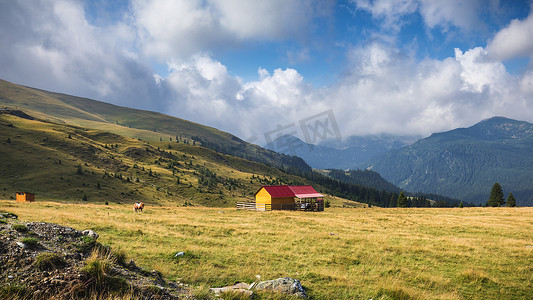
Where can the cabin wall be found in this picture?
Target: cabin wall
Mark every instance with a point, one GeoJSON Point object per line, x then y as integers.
{"type": "Point", "coordinates": [25, 197]}
{"type": "Point", "coordinates": [285, 200]}
{"type": "Point", "coordinates": [261, 198]}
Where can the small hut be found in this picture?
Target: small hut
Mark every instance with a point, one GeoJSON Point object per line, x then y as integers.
{"type": "Point", "coordinates": [25, 197]}
{"type": "Point", "coordinates": [288, 197]}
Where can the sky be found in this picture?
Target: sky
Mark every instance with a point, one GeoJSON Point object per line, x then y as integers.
{"type": "Point", "coordinates": [258, 68]}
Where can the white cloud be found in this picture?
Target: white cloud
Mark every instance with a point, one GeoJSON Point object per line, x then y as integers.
{"type": "Point", "coordinates": [458, 13]}
{"type": "Point", "coordinates": [389, 11]}
{"type": "Point", "coordinates": [179, 29]}
{"type": "Point", "coordinates": [513, 41]}
{"type": "Point", "coordinates": [53, 46]}
{"type": "Point", "coordinates": [435, 13]}
{"type": "Point", "coordinates": [478, 73]}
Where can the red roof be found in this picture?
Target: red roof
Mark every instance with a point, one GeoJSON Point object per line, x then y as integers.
{"type": "Point", "coordinates": [300, 191]}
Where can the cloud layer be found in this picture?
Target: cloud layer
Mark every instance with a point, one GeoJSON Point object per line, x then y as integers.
{"type": "Point", "coordinates": [382, 88]}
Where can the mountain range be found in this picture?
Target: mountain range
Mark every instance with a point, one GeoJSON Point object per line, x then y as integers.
{"type": "Point", "coordinates": [350, 153]}
{"type": "Point", "coordinates": [464, 163]}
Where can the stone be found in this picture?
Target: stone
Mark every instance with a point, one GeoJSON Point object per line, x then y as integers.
{"type": "Point", "coordinates": [8, 216]}
{"type": "Point", "coordinates": [284, 285]}
{"type": "Point", "coordinates": [239, 288]}
{"type": "Point", "coordinates": [21, 245]}
{"type": "Point", "coordinates": [179, 254]}
{"type": "Point", "coordinates": [131, 265]}
{"type": "Point", "coordinates": [90, 233]}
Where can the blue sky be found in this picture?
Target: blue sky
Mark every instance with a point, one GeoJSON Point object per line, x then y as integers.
{"type": "Point", "coordinates": [398, 67]}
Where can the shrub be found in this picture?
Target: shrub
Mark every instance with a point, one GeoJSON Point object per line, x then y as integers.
{"type": "Point", "coordinates": [49, 261]}
{"type": "Point", "coordinates": [87, 244]}
{"type": "Point", "coordinates": [20, 228]}
{"type": "Point", "coordinates": [98, 267]}
{"type": "Point", "coordinates": [120, 256]}
{"type": "Point", "coordinates": [31, 242]}
{"type": "Point", "coordinates": [14, 291]}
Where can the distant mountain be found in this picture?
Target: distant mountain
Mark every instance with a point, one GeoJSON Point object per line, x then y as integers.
{"type": "Point", "coordinates": [363, 177]}
{"type": "Point", "coordinates": [351, 153]}
{"type": "Point", "coordinates": [464, 163]}
{"type": "Point", "coordinates": [134, 123]}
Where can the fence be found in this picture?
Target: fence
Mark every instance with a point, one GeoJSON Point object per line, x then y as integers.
{"type": "Point", "coordinates": [250, 205]}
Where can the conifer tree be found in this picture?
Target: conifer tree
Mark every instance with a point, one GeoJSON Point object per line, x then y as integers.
{"type": "Point", "coordinates": [402, 200]}
{"type": "Point", "coordinates": [511, 201]}
{"type": "Point", "coordinates": [496, 196]}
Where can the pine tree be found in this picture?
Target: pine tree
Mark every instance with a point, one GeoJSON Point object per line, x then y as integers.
{"type": "Point", "coordinates": [402, 200]}
{"type": "Point", "coordinates": [511, 201]}
{"type": "Point", "coordinates": [496, 196]}
{"type": "Point", "coordinates": [79, 171]}
{"type": "Point", "coordinates": [461, 205]}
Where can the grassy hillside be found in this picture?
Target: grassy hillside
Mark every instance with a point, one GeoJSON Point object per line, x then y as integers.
{"type": "Point", "coordinates": [70, 163]}
{"type": "Point", "coordinates": [373, 253]}
{"type": "Point", "coordinates": [133, 123]}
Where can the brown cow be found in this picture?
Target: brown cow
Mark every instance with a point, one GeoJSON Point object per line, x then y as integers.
{"type": "Point", "coordinates": [138, 206]}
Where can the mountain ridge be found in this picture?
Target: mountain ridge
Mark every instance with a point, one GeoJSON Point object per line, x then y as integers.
{"type": "Point", "coordinates": [465, 162]}
{"type": "Point", "coordinates": [134, 123]}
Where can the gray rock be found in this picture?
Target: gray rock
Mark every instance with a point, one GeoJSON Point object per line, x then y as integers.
{"type": "Point", "coordinates": [285, 285]}
{"type": "Point", "coordinates": [90, 233]}
{"type": "Point", "coordinates": [131, 265]}
{"type": "Point", "coordinates": [21, 245]}
{"type": "Point", "coordinates": [240, 288]}
{"type": "Point", "coordinates": [179, 254]}
{"type": "Point", "coordinates": [8, 216]}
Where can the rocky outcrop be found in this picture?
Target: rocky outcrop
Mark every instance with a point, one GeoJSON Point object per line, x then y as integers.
{"type": "Point", "coordinates": [284, 285]}
{"type": "Point", "coordinates": [44, 260]}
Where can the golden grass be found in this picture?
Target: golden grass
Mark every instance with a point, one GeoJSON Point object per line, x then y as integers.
{"type": "Point", "coordinates": [342, 253]}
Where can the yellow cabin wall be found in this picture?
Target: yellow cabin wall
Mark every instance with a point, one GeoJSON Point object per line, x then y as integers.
{"type": "Point", "coordinates": [262, 197]}
{"type": "Point", "coordinates": [21, 198]}
{"type": "Point", "coordinates": [25, 197]}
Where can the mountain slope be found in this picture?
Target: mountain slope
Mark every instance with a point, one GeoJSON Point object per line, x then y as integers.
{"type": "Point", "coordinates": [464, 163]}
{"type": "Point", "coordinates": [62, 162]}
{"type": "Point", "coordinates": [351, 154]}
{"type": "Point", "coordinates": [133, 123]}
{"type": "Point", "coordinates": [363, 177]}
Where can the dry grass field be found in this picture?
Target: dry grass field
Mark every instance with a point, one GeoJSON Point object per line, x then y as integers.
{"type": "Point", "coordinates": [342, 253]}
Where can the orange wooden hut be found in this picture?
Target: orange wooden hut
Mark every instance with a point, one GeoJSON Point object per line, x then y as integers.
{"type": "Point", "coordinates": [288, 197]}
{"type": "Point", "coordinates": [25, 197]}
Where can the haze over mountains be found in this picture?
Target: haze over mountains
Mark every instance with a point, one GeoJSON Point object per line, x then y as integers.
{"type": "Point", "coordinates": [351, 153]}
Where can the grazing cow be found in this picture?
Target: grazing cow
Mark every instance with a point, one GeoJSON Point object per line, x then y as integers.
{"type": "Point", "coordinates": [138, 206]}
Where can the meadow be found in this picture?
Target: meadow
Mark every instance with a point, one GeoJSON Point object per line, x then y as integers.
{"type": "Point", "coordinates": [342, 253]}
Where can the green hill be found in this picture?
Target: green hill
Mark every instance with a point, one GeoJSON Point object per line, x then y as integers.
{"type": "Point", "coordinates": [133, 123]}
{"type": "Point", "coordinates": [70, 163]}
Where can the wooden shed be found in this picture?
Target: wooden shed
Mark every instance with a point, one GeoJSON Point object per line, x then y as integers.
{"type": "Point", "coordinates": [25, 197]}
{"type": "Point", "coordinates": [288, 197]}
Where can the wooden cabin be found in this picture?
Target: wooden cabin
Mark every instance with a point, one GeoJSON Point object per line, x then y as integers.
{"type": "Point", "coordinates": [25, 197]}
{"type": "Point", "coordinates": [288, 197]}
